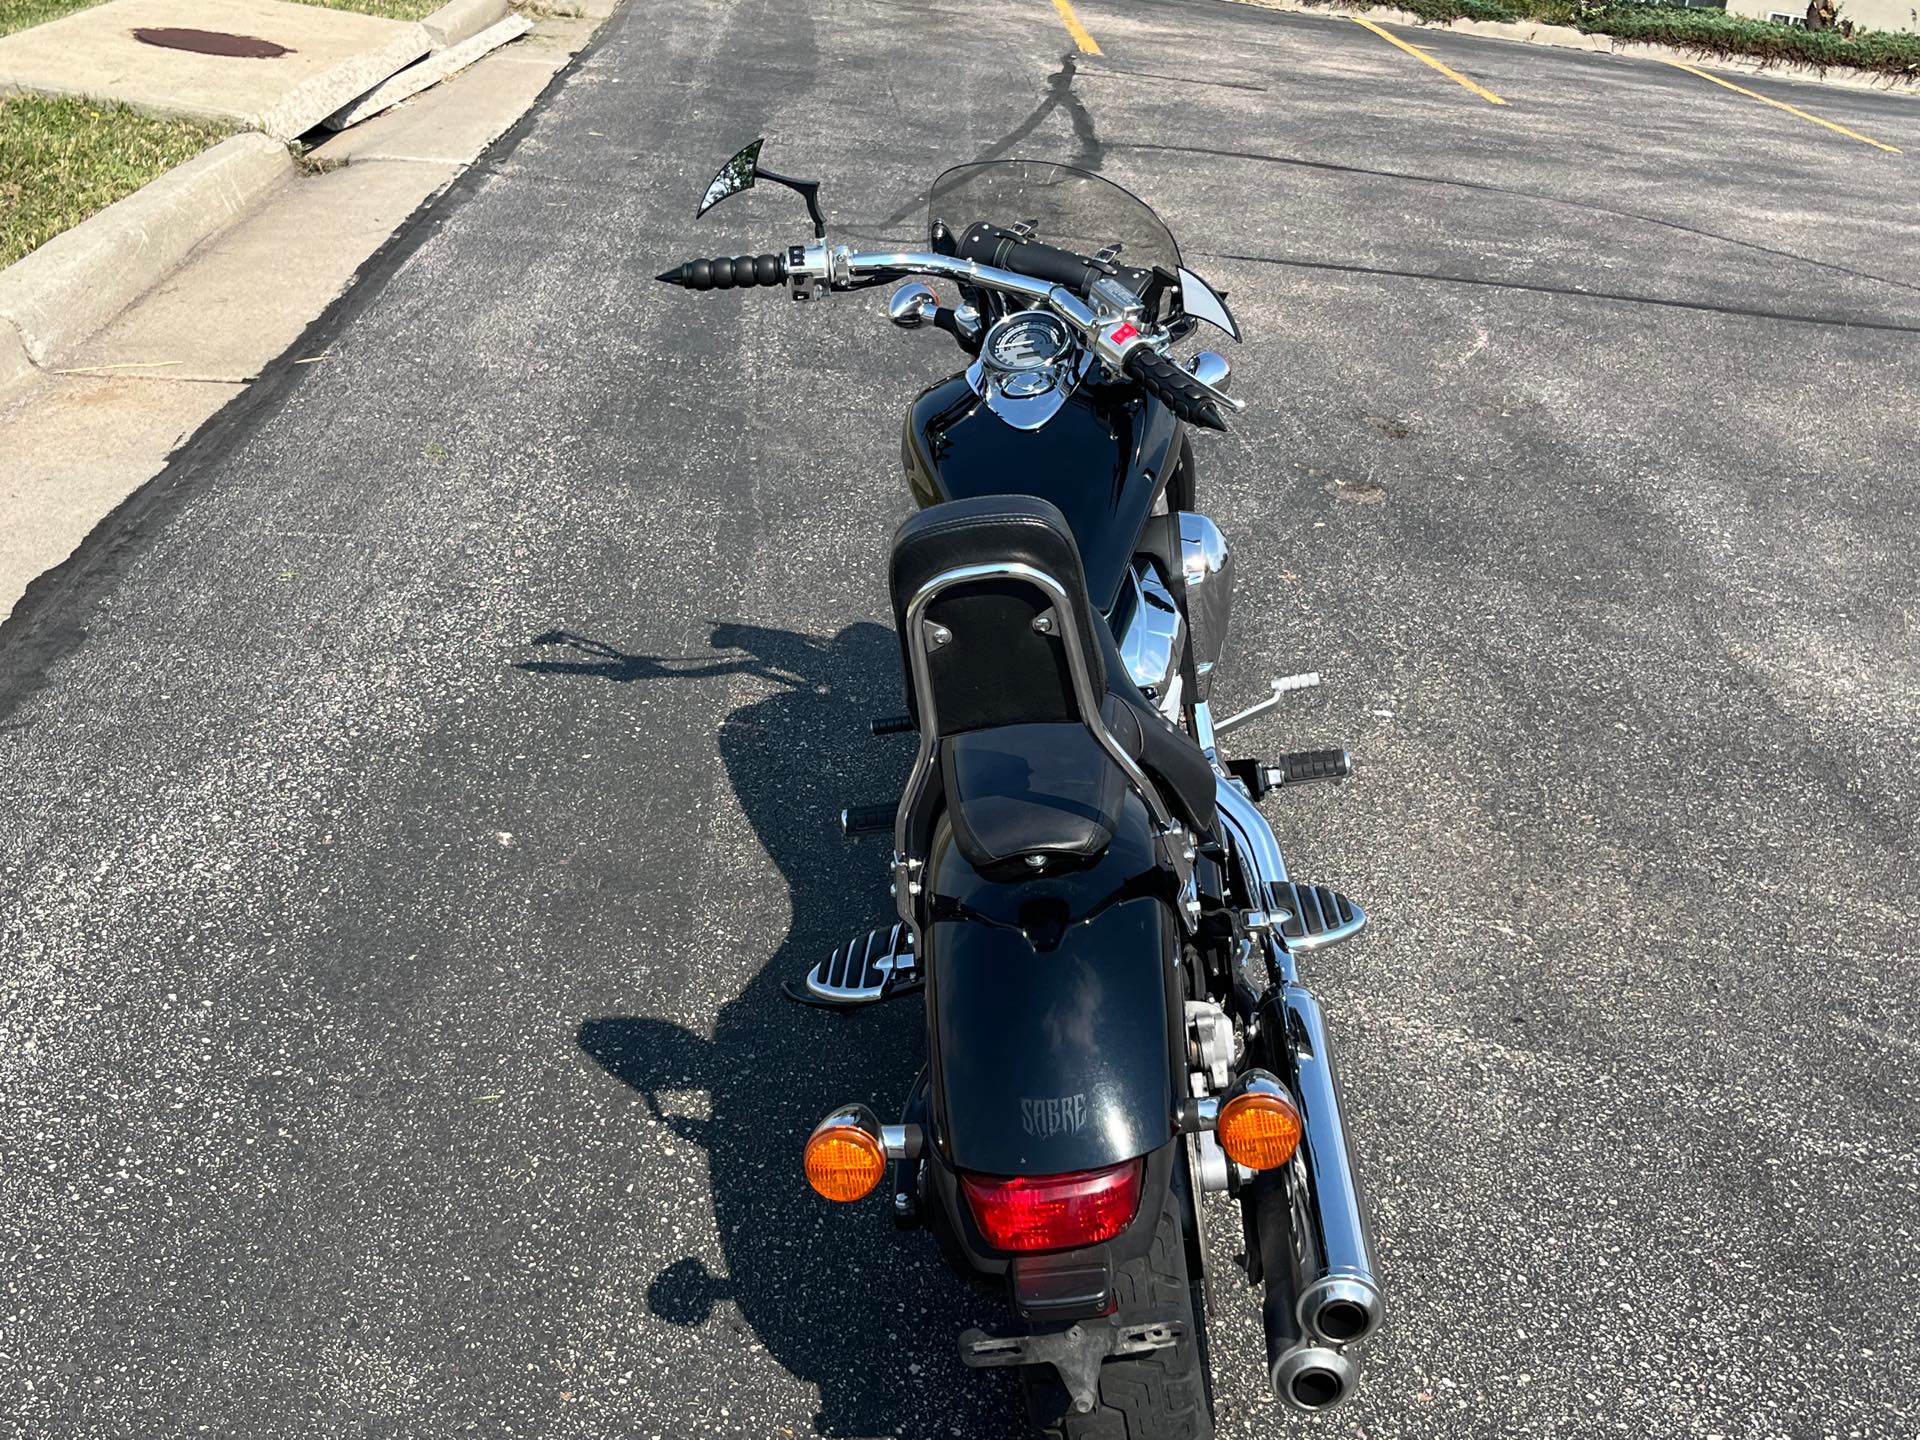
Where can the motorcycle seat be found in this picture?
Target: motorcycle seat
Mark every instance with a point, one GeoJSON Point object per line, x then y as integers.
{"type": "Point", "coordinates": [995, 664]}
{"type": "Point", "coordinates": [1021, 791]}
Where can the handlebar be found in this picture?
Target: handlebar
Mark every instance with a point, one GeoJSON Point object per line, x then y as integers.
{"type": "Point", "coordinates": [1061, 276]}
{"type": "Point", "coordinates": [1005, 250]}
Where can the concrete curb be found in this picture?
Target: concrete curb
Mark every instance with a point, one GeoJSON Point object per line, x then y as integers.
{"type": "Point", "coordinates": [15, 364]}
{"type": "Point", "coordinates": [460, 20]}
{"type": "Point", "coordinates": [1565, 37]}
{"type": "Point", "coordinates": [429, 72]}
{"type": "Point", "coordinates": [305, 106]}
{"type": "Point", "coordinates": [576, 9]}
{"type": "Point", "coordinates": [57, 297]}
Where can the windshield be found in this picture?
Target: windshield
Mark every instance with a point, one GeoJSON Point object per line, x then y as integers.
{"type": "Point", "coordinates": [1068, 209]}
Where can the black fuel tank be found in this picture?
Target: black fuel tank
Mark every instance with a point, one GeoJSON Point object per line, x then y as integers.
{"type": "Point", "coordinates": [1102, 459]}
{"type": "Point", "coordinates": [1053, 1008]}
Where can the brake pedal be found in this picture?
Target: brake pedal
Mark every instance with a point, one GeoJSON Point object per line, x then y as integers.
{"type": "Point", "coordinates": [1281, 688]}
{"type": "Point", "coordinates": [866, 970]}
{"type": "Point", "coordinates": [1314, 916]}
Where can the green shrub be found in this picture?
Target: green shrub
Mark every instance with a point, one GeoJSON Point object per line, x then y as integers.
{"type": "Point", "coordinates": [1704, 32]}
{"type": "Point", "coordinates": [1450, 10]}
{"type": "Point", "coordinates": [1714, 32]}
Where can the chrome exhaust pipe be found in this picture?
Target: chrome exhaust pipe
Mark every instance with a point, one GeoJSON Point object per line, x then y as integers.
{"type": "Point", "coordinates": [1338, 1298]}
{"type": "Point", "coordinates": [1306, 1375]}
{"type": "Point", "coordinates": [1313, 1379]}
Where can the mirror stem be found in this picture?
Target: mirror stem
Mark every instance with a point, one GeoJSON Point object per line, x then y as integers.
{"type": "Point", "coordinates": [807, 190]}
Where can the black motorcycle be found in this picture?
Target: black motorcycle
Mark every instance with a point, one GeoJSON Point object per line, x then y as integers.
{"type": "Point", "coordinates": [1098, 916]}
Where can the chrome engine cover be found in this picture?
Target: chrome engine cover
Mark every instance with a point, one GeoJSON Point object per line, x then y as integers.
{"type": "Point", "coordinates": [1207, 576]}
{"type": "Point", "coordinates": [1154, 636]}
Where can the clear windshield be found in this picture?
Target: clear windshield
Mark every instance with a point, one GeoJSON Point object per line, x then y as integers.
{"type": "Point", "coordinates": [1067, 208]}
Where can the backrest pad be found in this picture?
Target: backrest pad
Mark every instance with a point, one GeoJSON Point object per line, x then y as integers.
{"type": "Point", "coordinates": [997, 669]}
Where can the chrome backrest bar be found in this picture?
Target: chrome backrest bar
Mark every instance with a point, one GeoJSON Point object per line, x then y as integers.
{"type": "Point", "coordinates": [1086, 697]}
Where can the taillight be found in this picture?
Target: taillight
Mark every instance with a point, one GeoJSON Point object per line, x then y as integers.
{"type": "Point", "coordinates": [1054, 1212]}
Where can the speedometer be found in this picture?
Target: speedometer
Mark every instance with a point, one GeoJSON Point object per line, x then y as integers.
{"type": "Point", "coordinates": [1030, 340]}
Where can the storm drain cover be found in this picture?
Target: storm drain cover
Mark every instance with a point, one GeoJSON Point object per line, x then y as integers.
{"type": "Point", "coordinates": [212, 42]}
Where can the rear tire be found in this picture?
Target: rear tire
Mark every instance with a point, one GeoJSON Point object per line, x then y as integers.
{"type": "Point", "coordinates": [1164, 1395]}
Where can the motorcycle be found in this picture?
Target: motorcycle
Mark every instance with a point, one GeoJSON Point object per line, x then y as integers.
{"type": "Point", "coordinates": [1099, 918]}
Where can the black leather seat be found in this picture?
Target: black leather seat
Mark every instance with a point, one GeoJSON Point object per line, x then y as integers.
{"type": "Point", "coordinates": [1021, 772]}
{"type": "Point", "coordinates": [1020, 790]}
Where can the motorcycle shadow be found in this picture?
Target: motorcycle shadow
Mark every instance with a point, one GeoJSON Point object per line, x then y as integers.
{"type": "Point", "coordinates": [832, 1292]}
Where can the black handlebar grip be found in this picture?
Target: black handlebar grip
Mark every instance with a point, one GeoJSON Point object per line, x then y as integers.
{"type": "Point", "coordinates": [739, 272]}
{"type": "Point", "coordinates": [893, 725]}
{"type": "Point", "coordinates": [1183, 395]}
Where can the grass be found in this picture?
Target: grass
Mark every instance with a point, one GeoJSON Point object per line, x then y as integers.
{"type": "Point", "coordinates": [62, 159]}
{"type": "Point", "coordinates": [1707, 33]}
{"type": "Point", "coordinates": [19, 14]}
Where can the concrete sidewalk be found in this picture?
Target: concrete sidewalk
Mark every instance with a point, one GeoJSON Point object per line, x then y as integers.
{"type": "Point", "coordinates": [297, 63]}
{"type": "Point", "coordinates": [82, 438]}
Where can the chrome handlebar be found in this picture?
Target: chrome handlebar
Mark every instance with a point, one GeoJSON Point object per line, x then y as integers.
{"type": "Point", "coordinates": [1113, 326]}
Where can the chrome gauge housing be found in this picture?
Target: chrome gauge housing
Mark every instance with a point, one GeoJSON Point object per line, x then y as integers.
{"type": "Point", "coordinates": [1026, 340]}
{"type": "Point", "coordinates": [1029, 363]}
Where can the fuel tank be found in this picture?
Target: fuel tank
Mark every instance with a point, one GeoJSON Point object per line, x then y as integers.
{"type": "Point", "coordinates": [1053, 1008]}
{"type": "Point", "coordinates": [1102, 459]}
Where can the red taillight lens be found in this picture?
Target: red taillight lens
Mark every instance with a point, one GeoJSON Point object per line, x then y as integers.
{"type": "Point", "coordinates": [1054, 1212]}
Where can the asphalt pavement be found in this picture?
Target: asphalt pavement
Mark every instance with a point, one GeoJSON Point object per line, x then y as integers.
{"type": "Point", "coordinates": [413, 798]}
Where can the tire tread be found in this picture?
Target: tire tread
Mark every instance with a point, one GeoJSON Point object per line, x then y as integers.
{"type": "Point", "coordinates": [1163, 1395]}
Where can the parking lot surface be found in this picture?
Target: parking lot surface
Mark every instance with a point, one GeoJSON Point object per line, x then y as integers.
{"type": "Point", "coordinates": [414, 798]}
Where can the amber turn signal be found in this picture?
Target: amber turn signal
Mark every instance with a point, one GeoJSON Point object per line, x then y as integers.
{"type": "Point", "coordinates": [844, 1158]}
{"type": "Point", "coordinates": [1259, 1127]}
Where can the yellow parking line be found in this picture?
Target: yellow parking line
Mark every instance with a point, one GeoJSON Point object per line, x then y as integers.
{"type": "Point", "coordinates": [1782, 105]}
{"type": "Point", "coordinates": [1419, 54]}
{"type": "Point", "coordinates": [1088, 45]}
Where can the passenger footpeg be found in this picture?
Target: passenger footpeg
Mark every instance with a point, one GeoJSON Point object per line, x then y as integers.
{"type": "Point", "coordinates": [1075, 1353]}
{"type": "Point", "coordinates": [1300, 768]}
{"type": "Point", "coordinates": [858, 820]}
{"type": "Point", "coordinates": [866, 970]}
{"type": "Point", "coordinates": [1313, 917]}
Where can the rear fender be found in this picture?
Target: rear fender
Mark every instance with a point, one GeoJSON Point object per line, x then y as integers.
{"type": "Point", "coordinates": [1054, 1010]}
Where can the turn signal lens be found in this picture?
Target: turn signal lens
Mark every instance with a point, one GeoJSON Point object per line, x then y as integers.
{"type": "Point", "coordinates": [843, 1161]}
{"type": "Point", "coordinates": [1260, 1127]}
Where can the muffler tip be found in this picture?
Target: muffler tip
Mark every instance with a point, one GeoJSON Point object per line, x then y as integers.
{"type": "Point", "coordinates": [1311, 1378]}
{"type": "Point", "coordinates": [1341, 1310]}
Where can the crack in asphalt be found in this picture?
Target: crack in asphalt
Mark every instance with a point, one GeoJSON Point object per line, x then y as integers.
{"type": "Point", "coordinates": [1743, 311]}
{"type": "Point", "coordinates": [1334, 167]}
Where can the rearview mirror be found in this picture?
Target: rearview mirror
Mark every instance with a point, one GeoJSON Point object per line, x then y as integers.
{"type": "Point", "coordinates": [736, 175]}
{"type": "Point", "coordinates": [743, 170]}
{"type": "Point", "coordinates": [1203, 302]}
